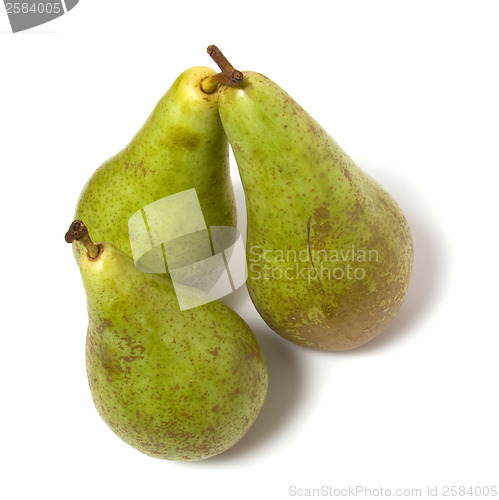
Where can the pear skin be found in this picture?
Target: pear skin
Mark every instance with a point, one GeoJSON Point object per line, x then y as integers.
{"type": "Point", "coordinates": [329, 250]}
{"type": "Point", "coordinates": [181, 146]}
{"type": "Point", "coordinates": [176, 385]}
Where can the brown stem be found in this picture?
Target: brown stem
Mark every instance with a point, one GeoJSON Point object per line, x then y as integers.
{"type": "Point", "coordinates": [78, 232]}
{"type": "Point", "coordinates": [229, 75]}
{"type": "Point", "coordinates": [222, 62]}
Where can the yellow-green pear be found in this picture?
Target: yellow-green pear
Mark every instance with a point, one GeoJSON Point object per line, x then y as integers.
{"type": "Point", "coordinates": [329, 250]}
{"type": "Point", "coordinates": [181, 146]}
{"type": "Point", "coordinates": [176, 385]}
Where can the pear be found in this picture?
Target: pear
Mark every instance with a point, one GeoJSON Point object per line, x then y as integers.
{"type": "Point", "coordinates": [175, 385]}
{"type": "Point", "coordinates": [329, 250]}
{"type": "Point", "coordinates": [181, 146]}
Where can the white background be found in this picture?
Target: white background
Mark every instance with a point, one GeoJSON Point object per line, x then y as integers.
{"type": "Point", "coordinates": [410, 91]}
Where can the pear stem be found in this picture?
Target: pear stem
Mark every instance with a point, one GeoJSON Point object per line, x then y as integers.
{"type": "Point", "coordinates": [211, 83]}
{"type": "Point", "coordinates": [78, 232]}
{"type": "Point", "coordinates": [229, 75]}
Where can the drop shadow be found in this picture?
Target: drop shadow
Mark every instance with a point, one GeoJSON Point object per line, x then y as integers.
{"type": "Point", "coordinates": [237, 299]}
{"type": "Point", "coordinates": [430, 266]}
{"type": "Point", "coordinates": [285, 394]}
{"type": "Point", "coordinates": [424, 289]}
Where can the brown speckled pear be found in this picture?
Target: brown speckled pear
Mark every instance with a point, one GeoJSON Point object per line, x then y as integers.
{"type": "Point", "coordinates": [181, 146]}
{"type": "Point", "coordinates": [175, 385]}
{"type": "Point", "coordinates": [329, 250]}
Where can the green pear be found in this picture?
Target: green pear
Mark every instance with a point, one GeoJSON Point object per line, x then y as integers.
{"type": "Point", "coordinates": [181, 146]}
{"type": "Point", "coordinates": [176, 385]}
{"type": "Point", "coordinates": [329, 250]}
